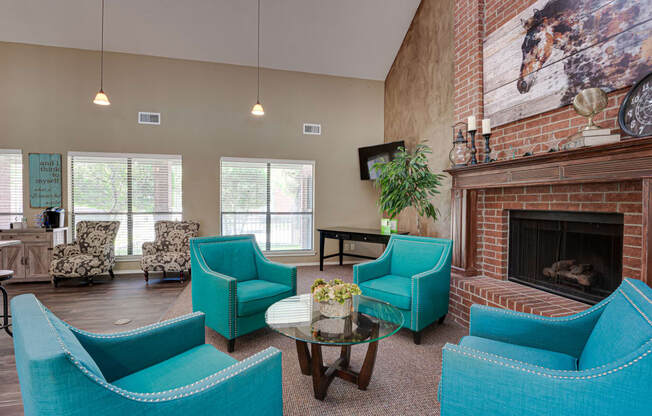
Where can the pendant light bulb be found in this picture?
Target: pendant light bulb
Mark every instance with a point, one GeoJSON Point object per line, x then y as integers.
{"type": "Point", "coordinates": [258, 110]}
{"type": "Point", "coordinates": [101, 98]}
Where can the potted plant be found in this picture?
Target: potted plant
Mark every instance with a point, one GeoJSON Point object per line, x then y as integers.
{"type": "Point", "coordinates": [407, 181]}
{"type": "Point", "coordinates": [334, 297]}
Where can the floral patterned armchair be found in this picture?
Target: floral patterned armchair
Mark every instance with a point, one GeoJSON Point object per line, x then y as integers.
{"type": "Point", "coordinates": [90, 255]}
{"type": "Point", "coordinates": [171, 250]}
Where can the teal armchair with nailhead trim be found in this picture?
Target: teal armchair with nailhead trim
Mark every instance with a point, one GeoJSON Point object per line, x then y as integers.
{"type": "Point", "coordinates": [413, 274]}
{"type": "Point", "coordinates": [597, 362]}
{"type": "Point", "coordinates": [161, 369]}
{"type": "Point", "coordinates": [234, 284]}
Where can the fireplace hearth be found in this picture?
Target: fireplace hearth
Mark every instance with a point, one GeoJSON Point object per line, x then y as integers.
{"type": "Point", "coordinates": [574, 254]}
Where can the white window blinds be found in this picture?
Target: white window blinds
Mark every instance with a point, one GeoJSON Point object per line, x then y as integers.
{"type": "Point", "coordinates": [271, 199]}
{"type": "Point", "coordinates": [11, 186]}
{"type": "Point", "coordinates": [136, 190]}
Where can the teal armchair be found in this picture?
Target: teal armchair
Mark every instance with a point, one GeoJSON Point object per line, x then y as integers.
{"type": "Point", "coordinates": [234, 284]}
{"type": "Point", "coordinates": [597, 362]}
{"type": "Point", "coordinates": [413, 274]}
{"type": "Point", "coordinates": [161, 369]}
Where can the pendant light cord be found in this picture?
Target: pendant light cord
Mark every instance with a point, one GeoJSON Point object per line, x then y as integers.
{"type": "Point", "coordinates": [258, 93]}
{"type": "Point", "coordinates": [102, 52]}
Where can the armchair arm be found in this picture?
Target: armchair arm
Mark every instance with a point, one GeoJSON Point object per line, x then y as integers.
{"type": "Point", "coordinates": [252, 386]}
{"type": "Point", "coordinates": [478, 383]}
{"type": "Point", "coordinates": [276, 272]}
{"type": "Point", "coordinates": [65, 250]}
{"type": "Point", "coordinates": [430, 293]}
{"type": "Point", "coordinates": [123, 353]}
{"type": "Point", "coordinates": [215, 294]}
{"type": "Point", "coordinates": [372, 269]}
{"type": "Point", "coordinates": [150, 248]}
{"type": "Point", "coordinates": [567, 334]}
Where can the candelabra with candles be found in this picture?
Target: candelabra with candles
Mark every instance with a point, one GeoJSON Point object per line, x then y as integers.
{"type": "Point", "coordinates": [486, 133]}
{"type": "Point", "coordinates": [472, 129]}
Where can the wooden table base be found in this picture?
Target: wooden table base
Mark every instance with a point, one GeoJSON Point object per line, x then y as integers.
{"type": "Point", "coordinates": [322, 376]}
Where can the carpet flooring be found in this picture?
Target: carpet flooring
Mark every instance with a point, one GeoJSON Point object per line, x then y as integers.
{"type": "Point", "coordinates": [405, 378]}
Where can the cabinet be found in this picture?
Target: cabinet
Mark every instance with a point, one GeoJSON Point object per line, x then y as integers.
{"type": "Point", "coordinates": [30, 260]}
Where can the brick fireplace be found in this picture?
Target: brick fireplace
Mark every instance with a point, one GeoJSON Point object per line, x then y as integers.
{"type": "Point", "coordinates": [612, 179]}
{"type": "Point", "coordinates": [494, 205]}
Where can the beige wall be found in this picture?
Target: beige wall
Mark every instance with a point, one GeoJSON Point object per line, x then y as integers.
{"type": "Point", "coordinates": [419, 99]}
{"type": "Point", "coordinates": [45, 106]}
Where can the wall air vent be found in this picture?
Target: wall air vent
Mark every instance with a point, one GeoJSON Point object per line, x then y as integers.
{"type": "Point", "coordinates": [313, 129]}
{"type": "Point", "coordinates": [149, 118]}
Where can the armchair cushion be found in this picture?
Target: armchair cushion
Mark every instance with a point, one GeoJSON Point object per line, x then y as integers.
{"type": "Point", "coordinates": [170, 261]}
{"type": "Point", "coordinates": [188, 367]}
{"type": "Point", "coordinates": [175, 235]}
{"type": "Point", "coordinates": [391, 288]}
{"type": "Point", "coordinates": [612, 337]}
{"type": "Point", "coordinates": [234, 258]}
{"type": "Point", "coordinates": [93, 236]}
{"type": "Point", "coordinates": [410, 257]}
{"type": "Point", "coordinates": [78, 266]}
{"type": "Point", "coordinates": [534, 356]}
{"type": "Point", "coordinates": [257, 295]}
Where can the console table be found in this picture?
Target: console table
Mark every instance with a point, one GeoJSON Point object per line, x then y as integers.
{"type": "Point", "coordinates": [365, 235]}
{"type": "Point", "coordinates": [30, 259]}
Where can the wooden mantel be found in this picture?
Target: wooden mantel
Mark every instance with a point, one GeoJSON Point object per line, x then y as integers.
{"type": "Point", "coordinates": [626, 160]}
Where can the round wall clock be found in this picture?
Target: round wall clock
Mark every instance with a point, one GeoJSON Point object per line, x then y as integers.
{"type": "Point", "coordinates": [635, 115]}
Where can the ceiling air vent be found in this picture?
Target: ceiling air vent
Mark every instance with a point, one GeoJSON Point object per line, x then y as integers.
{"type": "Point", "coordinates": [313, 129]}
{"type": "Point", "coordinates": [149, 118]}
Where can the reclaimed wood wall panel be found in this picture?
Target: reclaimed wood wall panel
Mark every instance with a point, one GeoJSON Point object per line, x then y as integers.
{"type": "Point", "coordinates": [542, 58]}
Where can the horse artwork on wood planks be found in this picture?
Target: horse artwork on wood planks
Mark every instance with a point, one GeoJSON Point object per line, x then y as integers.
{"type": "Point", "coordinates": [542, 58]}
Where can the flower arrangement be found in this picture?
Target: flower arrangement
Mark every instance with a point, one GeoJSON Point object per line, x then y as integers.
{"type": "Point", "coordinates": [334, 297]}
{"type": "Point", "coordinates": [336, 290]}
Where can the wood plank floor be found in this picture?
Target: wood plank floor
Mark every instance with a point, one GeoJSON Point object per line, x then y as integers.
{"type": "Point", "coordinates": [94, 309]}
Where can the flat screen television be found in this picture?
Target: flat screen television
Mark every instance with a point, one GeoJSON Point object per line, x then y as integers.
{"type": "Point", "coordinates": [371, 155]}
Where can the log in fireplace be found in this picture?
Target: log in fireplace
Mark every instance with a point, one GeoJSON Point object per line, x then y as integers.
{"type": "Point", "coordinates": [574, 254]}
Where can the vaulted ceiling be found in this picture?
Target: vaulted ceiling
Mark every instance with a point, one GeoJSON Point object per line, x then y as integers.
{"type": "Point", "coordinates": [352, 38]}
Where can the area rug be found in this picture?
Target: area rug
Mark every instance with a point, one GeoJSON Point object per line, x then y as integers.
{"type": "Point", "coordinates": [405, 378]}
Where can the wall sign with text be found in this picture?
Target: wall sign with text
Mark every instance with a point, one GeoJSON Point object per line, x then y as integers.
{"type": "Point", "coordinates": [44, 180]}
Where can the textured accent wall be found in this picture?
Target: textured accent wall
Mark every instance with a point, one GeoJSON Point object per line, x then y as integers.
{"type": "Point", "coordinates": [419, 99]}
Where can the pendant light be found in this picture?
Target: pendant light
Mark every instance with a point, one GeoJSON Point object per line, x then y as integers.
{"type": "Point", "coordinates": [258, 110]}
{"type": "Point", "coordinates": [101, 97]}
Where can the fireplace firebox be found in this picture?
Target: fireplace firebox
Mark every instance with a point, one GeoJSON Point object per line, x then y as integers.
{"type": "Point", "coordinates": [573, 254]}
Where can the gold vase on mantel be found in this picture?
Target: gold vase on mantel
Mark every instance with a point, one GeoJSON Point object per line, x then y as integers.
{"type": "Point", "coordinates": [589, 103]}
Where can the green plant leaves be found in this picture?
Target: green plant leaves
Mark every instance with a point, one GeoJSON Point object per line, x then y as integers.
{"type": "Point", "coordinates": [407, 181]}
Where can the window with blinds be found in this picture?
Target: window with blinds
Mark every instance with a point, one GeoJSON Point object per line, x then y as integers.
{"type": "Point", "coordinates": [135, 189]}
{"type": "Point", "coordinates": [271, 199]}
{"type": "Point", "coordinates": [11, 186]}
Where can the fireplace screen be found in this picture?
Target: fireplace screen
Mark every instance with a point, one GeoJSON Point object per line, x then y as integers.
{"type": "Point", "coordinates": [576, 255]}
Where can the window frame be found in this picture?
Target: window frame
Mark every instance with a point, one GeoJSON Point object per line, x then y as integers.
{"type": "Point", "coordinates": [268, 213]}
{"type": "Point", "coordinates": [130, 211]}
{"type": "Point", "coordinates": [22, 183]}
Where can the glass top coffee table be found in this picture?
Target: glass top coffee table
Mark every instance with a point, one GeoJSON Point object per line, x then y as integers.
{"type": "Point", "coordinates": [370, 321]}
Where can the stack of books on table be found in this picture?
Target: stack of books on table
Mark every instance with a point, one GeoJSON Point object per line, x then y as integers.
{"type": "Point", "coordinates": [596, 137]}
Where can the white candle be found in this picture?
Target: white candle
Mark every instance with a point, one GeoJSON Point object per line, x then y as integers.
{"type": "Point", "coordinates": [486, 126]}
{"type": "Point", "coordinates": [471, 123]}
